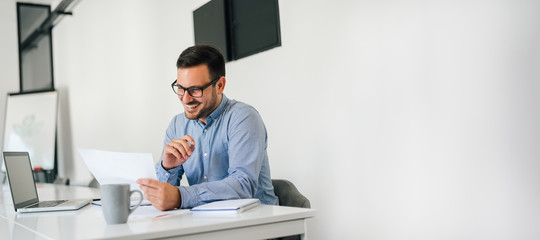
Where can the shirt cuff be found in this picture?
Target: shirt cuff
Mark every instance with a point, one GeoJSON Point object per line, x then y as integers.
{"type": "Point", "coordinates": [169, 176]}
{"type": "Point", "coordinates": [189, 197]}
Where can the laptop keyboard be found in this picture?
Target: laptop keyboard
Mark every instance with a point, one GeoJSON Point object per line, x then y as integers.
{"type": "Point", "coordinates": [46, 204]}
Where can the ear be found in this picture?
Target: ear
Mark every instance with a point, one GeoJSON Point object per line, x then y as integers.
{"type": "Point", "coordinates": [221, 84]}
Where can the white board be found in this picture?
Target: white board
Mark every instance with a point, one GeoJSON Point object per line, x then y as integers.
{"type": "Point", "coordinates": [30, 126]}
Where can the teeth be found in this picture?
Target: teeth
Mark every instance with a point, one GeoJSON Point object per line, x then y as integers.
{"type": "Point", "coordinates": [192, 105]}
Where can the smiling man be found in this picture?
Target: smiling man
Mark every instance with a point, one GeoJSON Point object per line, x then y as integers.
{"type": "Point", "coordinates": [218, 143]}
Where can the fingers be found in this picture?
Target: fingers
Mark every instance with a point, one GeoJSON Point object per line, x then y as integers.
{"type": "Point", "coordinates": [148, 182]}
{"type": "Point", "coordinates": [190, 141]}
{"type": "Point", "coordinates": [163, 196]}
{"type": "Point", "coordinates": [177, 151]}
{"type": "Point", "coordinates": [150, 191]}
{"type": "Point", "coordinates": [151, 188]}
{"type": "Point", "coordinates": [182, 146]}
{"type": "Point", "coordinates": [155, 196]}
{"type": "Point", "coordinates": [172, 150]}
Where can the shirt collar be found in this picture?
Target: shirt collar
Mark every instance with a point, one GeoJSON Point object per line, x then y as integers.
{"type": "Point", "coordinates": [216, 113]}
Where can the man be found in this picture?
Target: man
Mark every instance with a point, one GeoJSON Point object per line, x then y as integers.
{"type": "Point", "coordinates": [219, 143]}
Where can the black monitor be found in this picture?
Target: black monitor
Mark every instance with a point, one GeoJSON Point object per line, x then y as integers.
{"type": "Point", "coordinates": [240, 28]}
{"type": "Point", "coordinates": [210, 24]}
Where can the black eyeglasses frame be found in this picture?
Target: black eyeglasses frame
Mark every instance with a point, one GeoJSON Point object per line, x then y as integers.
{"type": "Point", "coordinates": [190, 90]}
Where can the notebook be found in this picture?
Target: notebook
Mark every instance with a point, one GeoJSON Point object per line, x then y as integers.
{"type": "Point", "coordinates": [227, 206]}
{"type": "Point", "coordinates": [23, 187]}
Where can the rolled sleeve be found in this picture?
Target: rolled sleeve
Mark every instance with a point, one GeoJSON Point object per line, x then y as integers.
{"type": "Point", "coordinates": [171, 176]}
{"type": "Point", "coordinates": [189, 197]}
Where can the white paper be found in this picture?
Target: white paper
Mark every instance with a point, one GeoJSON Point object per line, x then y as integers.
{"type": "Point", "coordinates": [133, 203]}
{"type": "Point", "coordinates": [146, 212]}
{"type": "Point", "coordinates": [152, 212]}
{"type": "Point", "coordinates": [117, 167]}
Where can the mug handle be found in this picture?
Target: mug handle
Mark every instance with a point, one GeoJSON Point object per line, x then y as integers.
{"type": "Point", "coordinates": [140, 200]}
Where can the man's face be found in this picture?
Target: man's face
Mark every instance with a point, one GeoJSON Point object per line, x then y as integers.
{"type": "Point", "coordinates": [199, 76]}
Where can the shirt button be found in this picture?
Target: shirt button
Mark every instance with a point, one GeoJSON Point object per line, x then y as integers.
{"type": "Point", "coordinates": [205, 177]}
{"type": "Point", "coordinates": [205, 154]}
{"type": "Point", "coordinates": [205, 130]}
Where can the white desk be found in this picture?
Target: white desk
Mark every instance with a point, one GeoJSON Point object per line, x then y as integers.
{"type": "Point", "coordinates": [88, 223]}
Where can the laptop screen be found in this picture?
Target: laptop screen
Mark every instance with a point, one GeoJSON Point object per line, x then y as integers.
{"type": "Point", "coordinates": [21, 179]}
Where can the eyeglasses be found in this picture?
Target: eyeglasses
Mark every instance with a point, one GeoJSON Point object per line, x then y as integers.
{"type": "Point", "coordinates": [195, 92]}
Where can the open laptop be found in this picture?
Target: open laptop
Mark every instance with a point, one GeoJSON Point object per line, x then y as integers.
{"type": "Point", "coordinates": [23, 187]}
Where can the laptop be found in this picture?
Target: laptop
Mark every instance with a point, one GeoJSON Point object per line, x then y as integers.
{"type": "Point", "coordinates": [23, 187]}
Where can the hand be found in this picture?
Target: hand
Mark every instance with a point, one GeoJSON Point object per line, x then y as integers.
{"type": "Point", "coordinates": [163, 196]}
{"type": "Point", "coordinates": [177, 152]}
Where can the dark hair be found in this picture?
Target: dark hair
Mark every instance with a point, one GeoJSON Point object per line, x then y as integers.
{"type": "Point", "coordinates": [203, 54]}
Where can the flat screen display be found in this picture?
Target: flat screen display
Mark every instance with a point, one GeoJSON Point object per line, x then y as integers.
{"type": "Point", "coordinates": [20, 176]}
{"type": "Point", "coordinates": [210, 24]}
{"type": "Point", "coordinates": [255, 26]}
{"type": "Point", "coordinates": [35, 48]}
{"type": "Point", "coordinates": [240, 28]}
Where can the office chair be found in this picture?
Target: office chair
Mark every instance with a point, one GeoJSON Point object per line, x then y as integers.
{"type": "Point", "coordinates": [289, 195]}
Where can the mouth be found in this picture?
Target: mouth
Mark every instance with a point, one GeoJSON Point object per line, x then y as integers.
{"type": "Point", "coordinates": [190, 107]}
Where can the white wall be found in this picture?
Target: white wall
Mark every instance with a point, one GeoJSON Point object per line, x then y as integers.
{"type": "Point", "coordinates": [9, 60]}
{"type": "Point", "coordinates": [398, 119]}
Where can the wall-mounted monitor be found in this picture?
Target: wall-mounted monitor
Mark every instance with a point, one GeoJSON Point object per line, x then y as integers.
{"type": "Point", "coordinates": [240, 28]}
{"type": "Point", "coordinates": [35, 48]}
{"type": "Point", "coordinates": [210, 24]}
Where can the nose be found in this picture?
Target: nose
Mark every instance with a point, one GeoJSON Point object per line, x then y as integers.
{"type": "Point", "coordinates": [187, 98]}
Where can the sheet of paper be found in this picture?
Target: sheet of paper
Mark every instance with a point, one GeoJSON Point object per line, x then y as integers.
{"type": "Point", "coordinates": [144, 202]}
{"type": "Point", "coordinates": [117, 167]}
{"type": "Point", "coordinates": [146, 212]}
{"type": "Point", "coordinates": [152, 212]}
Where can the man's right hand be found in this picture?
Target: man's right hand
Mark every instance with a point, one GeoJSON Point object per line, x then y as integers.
{"type": "Point", "coordinates": [177, 152]}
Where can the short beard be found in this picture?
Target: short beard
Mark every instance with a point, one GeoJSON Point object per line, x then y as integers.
{"type": "Point", "coordinates": [193, 118]}
{"type": "Point", "coordinates": [203, 113]}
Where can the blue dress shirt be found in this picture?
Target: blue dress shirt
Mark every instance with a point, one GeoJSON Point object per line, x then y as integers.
{"type": "Point", "coordinates": [229, 160]}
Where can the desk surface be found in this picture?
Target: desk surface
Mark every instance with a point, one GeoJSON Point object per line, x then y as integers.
{"type": "Point", "coordinates": [88, 223]}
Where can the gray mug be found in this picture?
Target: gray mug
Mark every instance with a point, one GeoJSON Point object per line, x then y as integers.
{"type": "Point", "coordinates": [115, 202]}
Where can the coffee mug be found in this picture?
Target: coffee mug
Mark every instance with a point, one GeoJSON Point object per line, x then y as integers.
{"type": "Point", "coordinates": [115, 202]}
